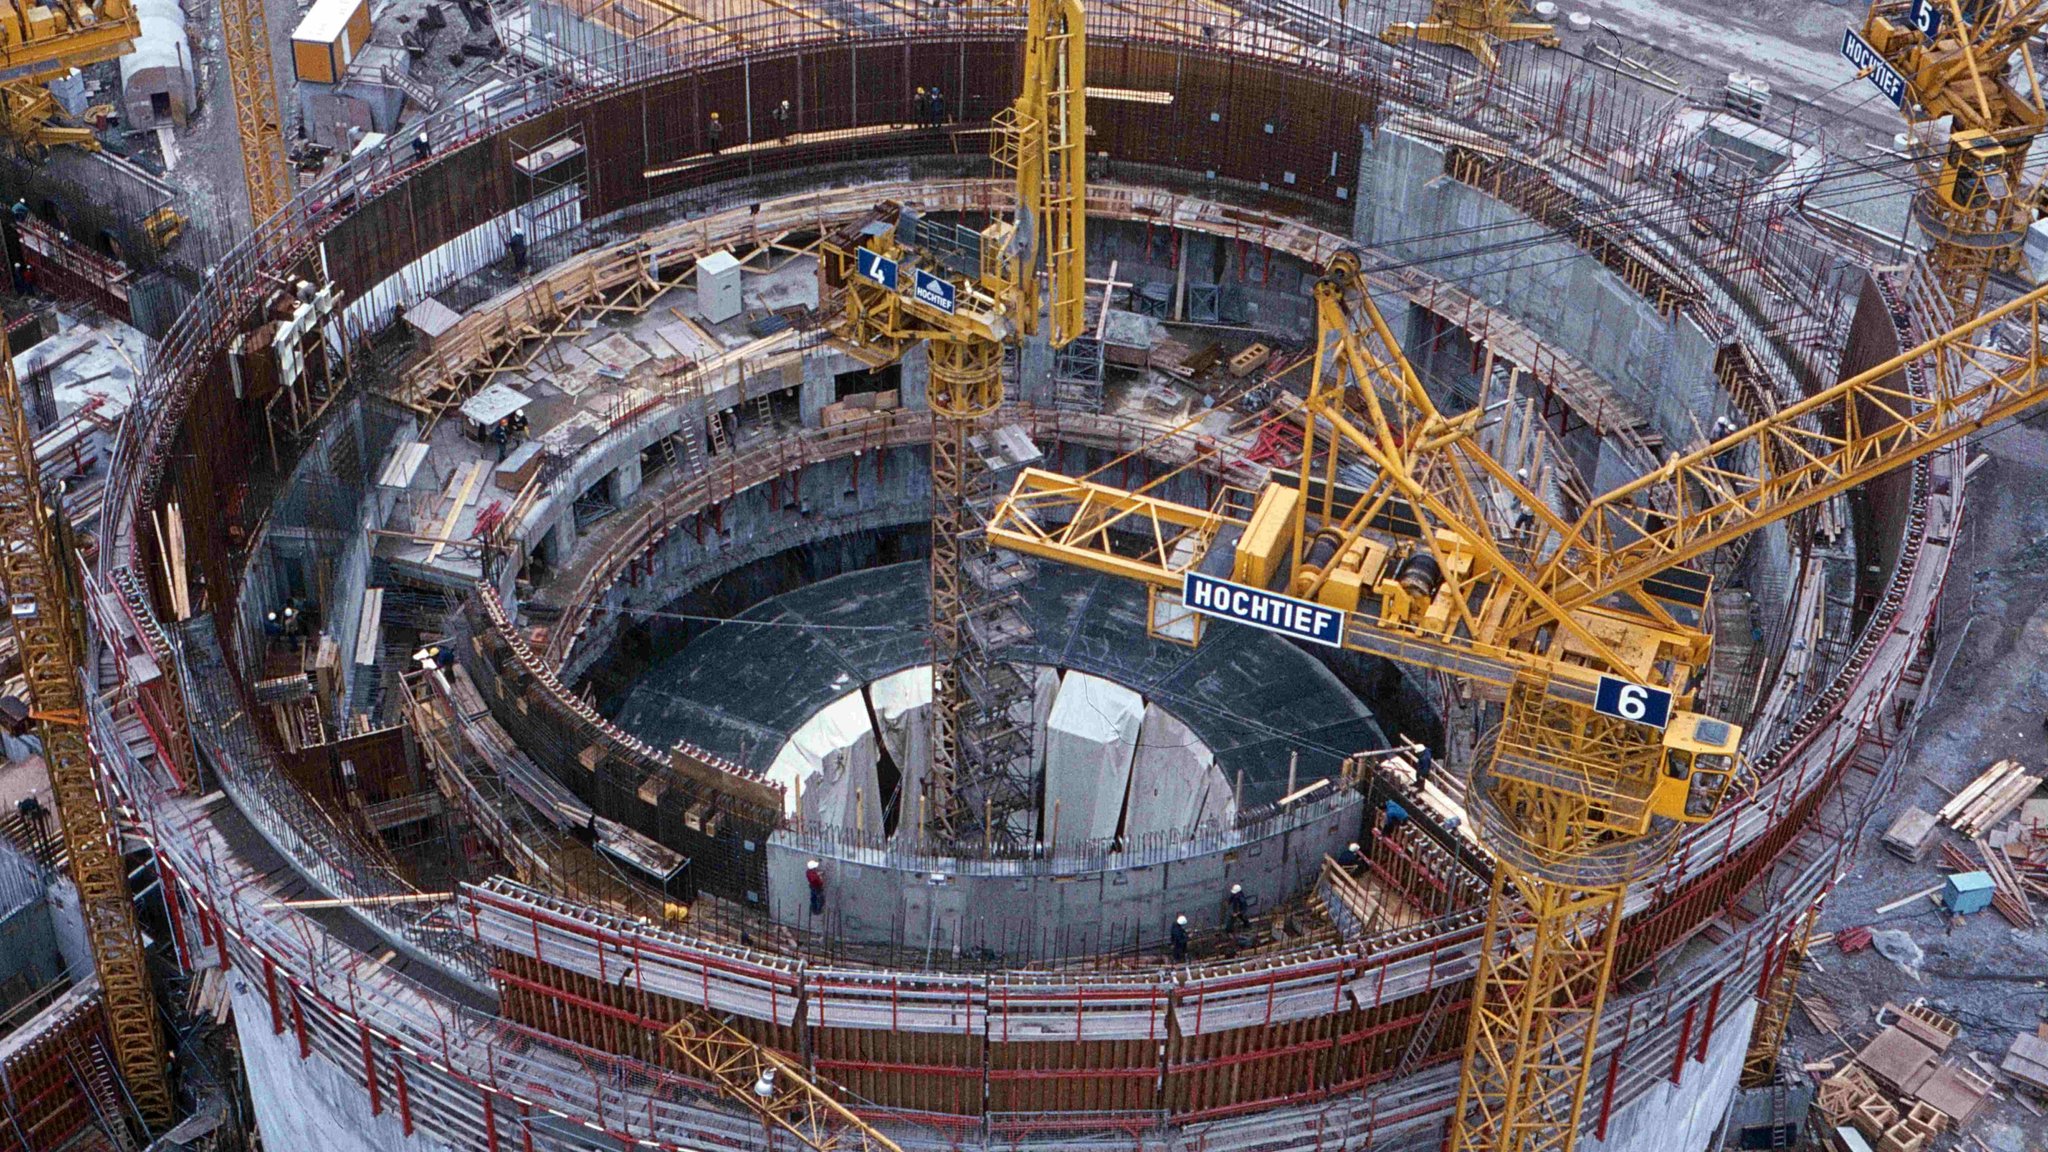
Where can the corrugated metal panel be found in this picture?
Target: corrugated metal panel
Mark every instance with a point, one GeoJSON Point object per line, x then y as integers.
{"type": "Point", "coordinates": [21, 882]}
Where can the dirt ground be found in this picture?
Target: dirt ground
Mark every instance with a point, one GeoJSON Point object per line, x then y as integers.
{"type": "Point", "coordinates": [1988, 705]}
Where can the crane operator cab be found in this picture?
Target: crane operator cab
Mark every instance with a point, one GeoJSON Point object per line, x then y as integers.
{"type": "Point", "coordinates": [1700, 763]}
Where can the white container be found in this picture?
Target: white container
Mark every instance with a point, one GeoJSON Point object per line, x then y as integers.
{"type": "Point", "coordinates": [718, 287]}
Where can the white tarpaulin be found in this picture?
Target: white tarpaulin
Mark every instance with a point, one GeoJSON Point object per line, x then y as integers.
{"type": "Point", "coordinates": [827, 768]}
{"type": "Point", "coordinates": [1175, 784]}
{"type": "Point", "coordinates": [1090, 737]}
{"type": "Point", "coordinates": [903, 710]}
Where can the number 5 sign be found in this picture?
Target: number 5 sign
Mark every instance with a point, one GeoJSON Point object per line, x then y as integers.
{"type": "Point", "coordinates": [1637, 703]}
{"type": "Point", "coordinates": [1926, 16]}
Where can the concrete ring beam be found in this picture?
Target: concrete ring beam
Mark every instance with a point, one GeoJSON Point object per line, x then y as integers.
{"type": "Point", "coordinates": [531, 1010]}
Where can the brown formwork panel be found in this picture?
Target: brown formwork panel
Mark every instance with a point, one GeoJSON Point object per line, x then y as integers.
{"type": "Point", "coordinates": [903, 1071]}
{"type": "Point", "coordinates": [1380, 1038]}
{"type": "Point", "coordinates": [52, 1108]}
{"type": "Point", "coordinates": [1074, 1076]}
{"type": "Point", "coordinates": [1223, 1071]}
{"type": "Point", "coordinates": [615, 1018]}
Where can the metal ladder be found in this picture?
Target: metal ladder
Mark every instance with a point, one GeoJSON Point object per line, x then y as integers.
{"type": "Point", "coordinates": [1426, 1032]}
{"type": "Point", "coordinates": [720, 446]}
{"type": "Point", "coordinates": [102, 1093]}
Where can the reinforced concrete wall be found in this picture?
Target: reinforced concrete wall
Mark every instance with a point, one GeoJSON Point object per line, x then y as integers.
{"type": "Point", "coordinates": [1685, 1111]}
{"type": "Point", "coordinates": [1056, 907]}
{"type": "Point", "coordinates": [466, 1075]}
{"type": "Point", "coordinates": [1663, 366]}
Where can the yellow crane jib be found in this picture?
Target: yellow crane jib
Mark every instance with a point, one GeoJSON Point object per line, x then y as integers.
{"type": "Point", "coordinates": [1477, 26]}
{"type": "Point", "coordinates": [1586, 633]}
{"type": "Point", "coordinates": [773, 1087]}
{"type": "Point", "coordinates": [35, 559]}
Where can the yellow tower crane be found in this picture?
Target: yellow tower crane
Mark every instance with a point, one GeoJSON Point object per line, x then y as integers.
{"type": "Point", "coordinates": [266, 168]}
{"type": "Point", "coordinates": [1477, 26]}
{"type": "Point", "coordinates": [1586, 633]}
{"type": "Point", "coordinates": [967, 299]}
{"type": "Point", "coordinates": [39, 43]}
{"type": "Point", "coordinates": [35, 570]}
{"type": "Point", "coordinates": [1955, 61]}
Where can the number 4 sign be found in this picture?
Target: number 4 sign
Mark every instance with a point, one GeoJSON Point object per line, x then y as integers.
{"type": "Point", "coordinates": [1637, 703]}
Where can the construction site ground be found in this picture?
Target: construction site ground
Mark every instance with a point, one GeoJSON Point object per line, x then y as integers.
{"type": "Point", "coordinates": [1990, 700]}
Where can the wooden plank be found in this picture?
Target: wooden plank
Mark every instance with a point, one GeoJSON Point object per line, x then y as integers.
{"type": "Point", "coordinates": [1977, 787]}
{"type": "Point", "coordinates": [370, 629]}
{"type": "Point", "coordinates": [473, 472]}
{"type": "Point", "coordinates": [1998, 803]}
{"type": "Point", "coordinates": [1902, 901]}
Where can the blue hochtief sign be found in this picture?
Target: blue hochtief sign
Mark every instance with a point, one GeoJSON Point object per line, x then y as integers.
{"type": "Point", "coordinates": [933, 291]}
{"type": "Point", "coordinates": [1262, 609]}
{"type": "Point", "coordinates": [1883, 77]}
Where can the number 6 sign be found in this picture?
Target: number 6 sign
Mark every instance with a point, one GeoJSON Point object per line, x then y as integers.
{"type": "Point", "coordinates": [1636, 703]}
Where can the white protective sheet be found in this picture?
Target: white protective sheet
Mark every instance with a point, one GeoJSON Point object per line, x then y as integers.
{"type": "Point", "coordinates": [827, 768]}
{"type": "Point", "coordinates": [903, 709]}
{"type": "Point", "coordinates": [1176, 788]}
{"type": "Point", "coordinates": [1090, 738]}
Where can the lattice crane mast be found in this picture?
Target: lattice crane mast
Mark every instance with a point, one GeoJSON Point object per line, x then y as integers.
{"type": "Point", "coordinates": [40, 43]}
{"type": "Point", "coordinates": [1956, 61]}
{"type": "Point", "coordinates": [771, 1086]}
{"type": "Point", "coordinates": [967, 294]}
{"type": "Point", "coordinates": [1588, 632]}
{"type": "Point", "coordinates": [266, 169]}
{"type": "Point", "coordinates": [36, 574]}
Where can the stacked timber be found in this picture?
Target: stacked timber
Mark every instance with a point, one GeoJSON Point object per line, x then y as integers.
{"type": "Point", "coordinates": [2009, 899]}
{"type": "Point", "coordinates": [1989, 798]}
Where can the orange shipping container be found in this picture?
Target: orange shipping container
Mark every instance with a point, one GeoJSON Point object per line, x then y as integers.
{"type": "Point", "coordinates": [328, 39]}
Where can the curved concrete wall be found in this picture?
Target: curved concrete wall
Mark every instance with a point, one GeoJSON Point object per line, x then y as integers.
{"type": "Point", "coordinates": [386, 1042]}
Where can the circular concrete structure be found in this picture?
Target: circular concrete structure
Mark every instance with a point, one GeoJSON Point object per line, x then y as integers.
{"type": "Point", "coordinates": [528, 1011]}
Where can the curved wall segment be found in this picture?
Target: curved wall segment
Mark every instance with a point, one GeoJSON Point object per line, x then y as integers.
{"type": "Point", "coordinates": [519, 1015]}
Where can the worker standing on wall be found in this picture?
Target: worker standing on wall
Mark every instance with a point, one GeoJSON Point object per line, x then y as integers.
{"type": "Point", "coordinates": [938, 107]}
{"type": "Point", "coordinates": [1240, 908]}
{"type": "Point", "coordinates": [814, 876]}
{"type": "Point", "coordinates": [421, 149]}
{"type": "Point", "coordinates": [781, 115]}
{"type": "Point", "coordinates": [714, 133]}
{"type": "Point", "coordinates": [922, 108]}
{"type": "Point", "coordinates": [1424, 761]}
{"type": "Point", "coordinates": [1180, 939]}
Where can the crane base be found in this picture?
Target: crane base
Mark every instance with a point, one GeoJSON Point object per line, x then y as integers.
{"type": "Point", "coordinates": [1479, 42]}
